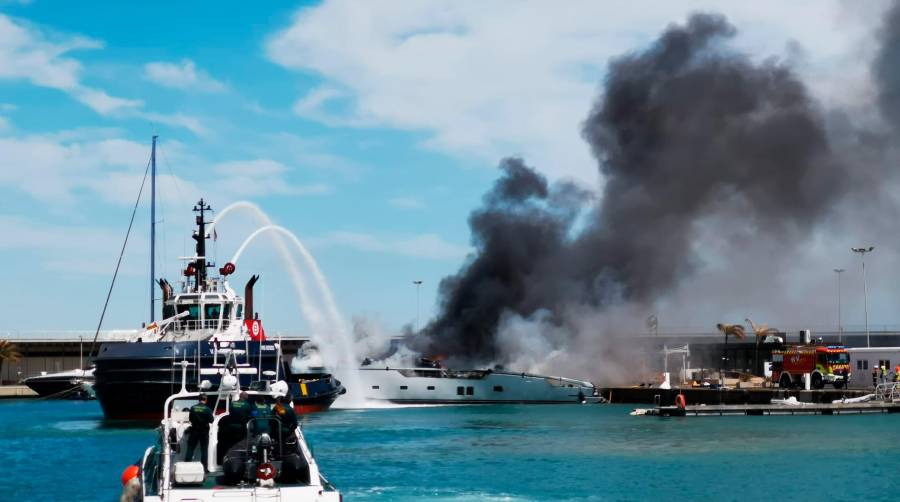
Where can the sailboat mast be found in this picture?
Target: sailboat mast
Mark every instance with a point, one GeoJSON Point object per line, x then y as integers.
{"type": "Point", "coordinates": [153, 230]}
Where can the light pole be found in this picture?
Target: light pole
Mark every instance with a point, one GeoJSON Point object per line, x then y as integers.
{"type": "Point", "coordinates": [862, 254]}
{"type": "Point", "coordinates": [418, 284]}
{"type": "Point", "coordinates": [839, 271]}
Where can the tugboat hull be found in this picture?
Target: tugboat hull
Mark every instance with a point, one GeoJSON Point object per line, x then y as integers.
{"type": "Point", "coordinates": [133, 380]}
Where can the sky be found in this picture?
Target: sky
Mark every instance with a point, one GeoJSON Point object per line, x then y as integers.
{"type": "Point", "coordinates": [368, 129]}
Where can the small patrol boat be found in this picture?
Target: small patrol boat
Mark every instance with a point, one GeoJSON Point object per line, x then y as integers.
{"type": "Point", "coordinates": [259, 462]}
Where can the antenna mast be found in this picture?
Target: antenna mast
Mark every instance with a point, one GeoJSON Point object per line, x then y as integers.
{"type": "Point", "coordinates": [153, 230]}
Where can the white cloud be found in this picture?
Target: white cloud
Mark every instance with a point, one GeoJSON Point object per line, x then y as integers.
{"type": "Point", "coordinates": [406, 202]}
{"type": "Point", "coordinates": [181, 75]}
{"type": "Point", "coordinates": [44, 60]}
{"type": "Point", "coordinates": [103, 103]}
{"type": "Point", "coordinates": [491, 79]}
{"type": "Point", "coordinates": [59, 168]}
{"type": "Point", "coordinates": [254, 178]}
{"type": "Point", "coordinates": [428, 246]}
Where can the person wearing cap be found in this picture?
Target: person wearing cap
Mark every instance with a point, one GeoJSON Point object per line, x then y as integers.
{"type": "Point", "coordinates": [200, 416]}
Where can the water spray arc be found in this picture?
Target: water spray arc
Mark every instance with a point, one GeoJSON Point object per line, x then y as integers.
{"type": "Point", "coordinates": [329, 332]}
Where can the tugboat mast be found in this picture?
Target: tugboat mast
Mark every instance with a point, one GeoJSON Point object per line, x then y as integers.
{"type": "Point", "coordinates": [153, 230]}
{"type": "Point", "coordinates": [200, 236]}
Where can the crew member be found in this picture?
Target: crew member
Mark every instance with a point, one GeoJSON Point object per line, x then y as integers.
{"type": "Point", "coordinates": [200, 416]}
{"type": "Point", "coordinates": [897, 373]}
{"type": "Point", "coordinates": [261, 415]}
{"type": "Point", "coordinates": [285, 413]}
{"type": "Point", "coordinates": [240, 411]}
{"type": "Point", "coordinates": [233, 427]}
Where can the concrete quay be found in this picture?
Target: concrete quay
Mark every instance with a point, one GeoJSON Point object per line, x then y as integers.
{"type": "Point", "coordinates": [16, 392]}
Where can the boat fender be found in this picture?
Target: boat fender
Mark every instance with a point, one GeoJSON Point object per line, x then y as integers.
{"type": "Point", "coordinates": [680, 401]}
{"type": "Point", "coordinates": [130, 472]}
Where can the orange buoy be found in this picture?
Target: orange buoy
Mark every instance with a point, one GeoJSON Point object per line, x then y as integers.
{"type": "Point", "coordinates": [680, 401]}
{"type": "Point", "coordinates": [130, 472]}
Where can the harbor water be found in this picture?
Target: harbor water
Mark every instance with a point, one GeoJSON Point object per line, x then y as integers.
{"type": "Point", "coordinates": [62, 451]}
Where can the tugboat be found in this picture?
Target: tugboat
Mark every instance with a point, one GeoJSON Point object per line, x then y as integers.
{"type": "Point", "coordinates": [204, 323]}
{"type": "Point", "coordinates": [261, 459]}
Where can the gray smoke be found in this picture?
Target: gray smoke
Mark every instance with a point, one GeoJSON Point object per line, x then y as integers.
{"type": "Point", "coordinates": [886, 67]}
{"type": "Point", "coordinates": [688, 135]}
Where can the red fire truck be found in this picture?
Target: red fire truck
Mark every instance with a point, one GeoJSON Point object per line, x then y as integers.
{"type": "Point", "coordinates": [824, 363]}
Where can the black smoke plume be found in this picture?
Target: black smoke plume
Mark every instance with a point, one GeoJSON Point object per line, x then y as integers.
{"type": "Point", "coordinates": [685, 132]}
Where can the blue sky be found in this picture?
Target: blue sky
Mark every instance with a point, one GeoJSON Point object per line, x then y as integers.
{"type": "Point", "coordinates": [368, 129]}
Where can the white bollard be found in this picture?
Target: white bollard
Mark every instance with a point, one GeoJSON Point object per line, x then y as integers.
{"type": "Point", "coordinates": [807, 381]}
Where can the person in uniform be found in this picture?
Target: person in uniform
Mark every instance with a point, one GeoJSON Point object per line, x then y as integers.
{"type": "Point", "coordinates": [261, 415]}
{"type": "Point", "coordinates": [284, 412]}
{"type": "Point", "coordinates": [200, 416]}
{"type": "Point", "coordinates": [233, 427]}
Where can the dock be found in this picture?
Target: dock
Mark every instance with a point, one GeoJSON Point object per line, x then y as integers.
{"type": "Point", "coordinates": [16, 392]}
{"type": "Point", "coordinates": [776, 409]}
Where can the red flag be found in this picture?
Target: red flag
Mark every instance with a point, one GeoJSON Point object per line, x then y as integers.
{"type": "Point", "coordinates": [255, 330]}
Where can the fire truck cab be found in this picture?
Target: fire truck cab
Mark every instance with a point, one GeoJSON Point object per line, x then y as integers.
{"type": "Point", "coordinates": [824, 363]}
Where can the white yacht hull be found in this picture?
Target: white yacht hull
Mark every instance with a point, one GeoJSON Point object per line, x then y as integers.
{"type": "Point", "coordinates": [441, 386]}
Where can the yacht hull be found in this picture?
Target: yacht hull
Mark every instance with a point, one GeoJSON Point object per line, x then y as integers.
{"type": "Point", "coordinates": [64, 385]}
{"type": "Point", "coordinates": [442, 386]}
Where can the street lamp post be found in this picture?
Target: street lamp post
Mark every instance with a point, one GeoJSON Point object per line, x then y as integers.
{"type": "Point", "coordinates": [418, 284]}
{"type": "Point", "coordinates": [862, 254]}
{"type": "Point", "coordinates": [839, 271]}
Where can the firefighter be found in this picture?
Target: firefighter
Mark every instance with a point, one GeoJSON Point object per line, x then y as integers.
{"type": "Point", "coordinates": [897, 373]}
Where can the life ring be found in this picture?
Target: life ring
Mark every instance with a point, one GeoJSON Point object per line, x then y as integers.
{"type": "Point", "coordinates": [680, 401]}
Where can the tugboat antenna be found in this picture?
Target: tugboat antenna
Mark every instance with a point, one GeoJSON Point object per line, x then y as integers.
{"type": "Point", "coordinates": [153, 230]}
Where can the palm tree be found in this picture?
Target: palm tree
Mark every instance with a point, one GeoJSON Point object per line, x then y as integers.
{"type": "Point", "coordinates": [9, 352]}
{"type": "Point", "coordinates": [761, 331]}
{"type": "Point", "coordinates": [735, 330]}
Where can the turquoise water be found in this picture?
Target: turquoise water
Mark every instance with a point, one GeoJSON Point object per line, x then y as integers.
{"type": "Point", "coordinates": [61, 451]}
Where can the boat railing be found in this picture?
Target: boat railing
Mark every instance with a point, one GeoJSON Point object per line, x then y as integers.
{"type": "Point", "coordinates": [887, 392]}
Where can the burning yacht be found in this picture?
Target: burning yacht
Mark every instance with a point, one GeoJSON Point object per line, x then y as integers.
{"type": "Point", "coordinates": [430, 383]}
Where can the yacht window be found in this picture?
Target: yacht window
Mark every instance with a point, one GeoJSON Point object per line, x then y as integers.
{"type": "Point", "coordinates": [470, 391]}
{"type": "Point", "coordinates": [431, 387]}
{"type": "Point", "coordinates": [227, 311]}
{"type": "Point", "coordinates": [240, 311]}
{"type": "Point", "coordinates": [498, 388]}
{"type": "Point", "coordinates": [192, 310]}
{"type": "Point", "coordinates": [376, 387]}
{"type": "Point", "coordinates": [403, 387]}
{"type": "Point", "coordinates": [459, 391]}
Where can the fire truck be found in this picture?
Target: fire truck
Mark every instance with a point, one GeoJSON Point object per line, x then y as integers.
{"type": "Point", "coordinates": [824, 363]}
